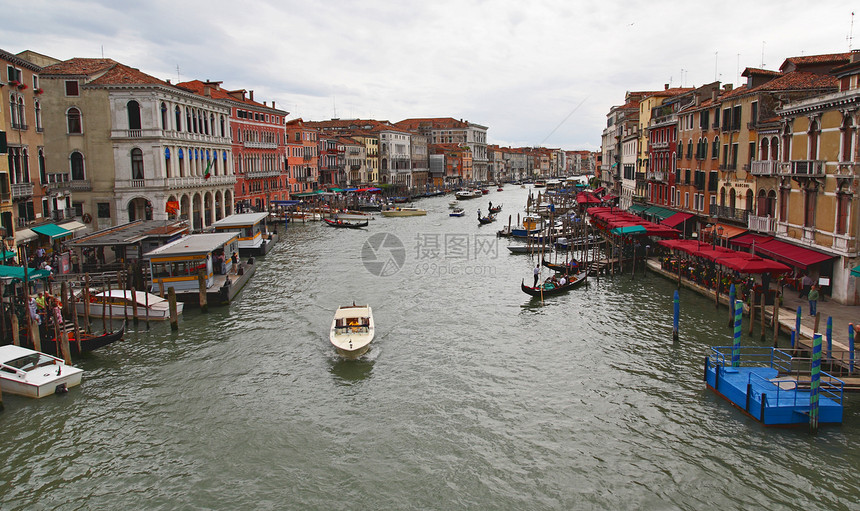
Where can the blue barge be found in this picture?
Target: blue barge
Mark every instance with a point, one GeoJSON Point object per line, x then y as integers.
{"type": "Point", "coordinates": [768, 385]}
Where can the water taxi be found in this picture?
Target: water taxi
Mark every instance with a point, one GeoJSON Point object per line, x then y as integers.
{"type": "Point", "coordinates": [404, 212]}
{"type": "Point", "coordinates": [34, 374]}
{"type": "Point", "coordinates": [352, 330]}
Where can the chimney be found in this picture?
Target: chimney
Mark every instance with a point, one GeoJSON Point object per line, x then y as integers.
{"type": "Point", "coordinates": [207, 91]}
{"type": "Point", "coordinates": [251, 94]}
{"type": "Point", "coordinates": [273, 104]}
{"type": "Point", "coordinates": [714, 94]}
{"type": "Point", "coordinates": [665, 86]}
{"type": "Point", "coordinates": [168, 81]}
{"type": "Point", "coordinates": [727, 87]}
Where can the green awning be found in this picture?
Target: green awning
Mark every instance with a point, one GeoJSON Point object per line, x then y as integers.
{"type": "Point", "coordinates": [661, 213]}
{"type": "Point", "coordinates": [17, 273]}
{"type": "Point", "coordinates": [51, 230]}
{"type": "Point", "coordinates": [7, 255]}
{"type": "Point", "coordinates": [306, 194]}
{"type": "Point", "coordinates": [336, 190]}
{"type": "Point", "coordinates": [628, 229]}
{"type": "Point", "coordinates": [637, 208]}
{"type": "Point", "coordinates": [855, 271]}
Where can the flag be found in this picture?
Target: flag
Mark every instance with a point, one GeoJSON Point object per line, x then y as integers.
{"type": "Point", "coordinates": [172, 207]}
{"type": "Point", "coordinates": [207, 174]}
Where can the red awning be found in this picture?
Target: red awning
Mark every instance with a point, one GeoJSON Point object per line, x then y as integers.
{"type": "Point", "coordinates": [609, 197]}
{"type": "Point", "coordinates": [599, 189]}
{"type": "Point", "coordinates": [676, 219]}
{"type": "Point", "coordinates": [791, 254]}
{"type": "Point", "coordinates": [753, 265]}
{"type": "Point", "coordinates": [747, 240]}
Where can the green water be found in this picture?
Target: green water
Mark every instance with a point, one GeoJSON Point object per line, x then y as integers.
{"type": "Point", "coordinates": [473, 396]}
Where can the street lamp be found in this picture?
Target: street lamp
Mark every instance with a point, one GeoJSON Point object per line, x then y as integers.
{"type": "Point", "coordinates": [720, 233]}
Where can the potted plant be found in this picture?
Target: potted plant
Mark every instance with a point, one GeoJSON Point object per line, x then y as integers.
{"type": "Point", "coordinates": [14, 83]}
{"type": "Point", "coordinates": [38, 91]}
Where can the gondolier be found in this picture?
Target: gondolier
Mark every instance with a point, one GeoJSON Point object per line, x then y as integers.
{"type": "Point", "coordinates": [537, 275]}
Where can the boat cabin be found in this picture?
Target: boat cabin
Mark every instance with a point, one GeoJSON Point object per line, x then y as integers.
{"type": "Point", "coordinates": [251, 228]}
{"type": "Point", "coordinates": [179, 263]}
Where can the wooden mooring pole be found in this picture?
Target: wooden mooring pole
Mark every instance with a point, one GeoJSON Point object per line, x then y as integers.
{"type": "Point", "coordinates": [174, 317]}
{"type": "Point", "coordinates": [201, 281]}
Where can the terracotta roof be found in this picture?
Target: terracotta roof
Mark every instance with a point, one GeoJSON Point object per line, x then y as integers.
{"type": "Point", "coordinates": [383, 127]}
{"type": "Point", "coordinates": [79, 66]}
{"type": "Point", "coordinates": [432, 123]}
{"type": "Point", "coordinates": [120, 74]}
{"type": "Point", "coordinates": [753, 70]}
{"type": "Point", "coordinates": [830, 58]}
{"type": "Point", "coordinates": [669, 92]}
{"type": "Point", "coordinates": [340, 124]}
{"type": "Point", "coordinates": [800, 80]}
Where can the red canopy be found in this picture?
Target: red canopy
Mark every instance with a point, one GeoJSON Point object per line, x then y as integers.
{"type": "Point", "coordinates": [791, 254]}
{"type": "Point", "coordinates": [753, 265]}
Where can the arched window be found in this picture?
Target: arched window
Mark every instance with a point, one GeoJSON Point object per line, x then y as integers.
{"type": "Point", "coordinates": [178, 115]}
{"type": "Point", "coordinates": [163, 116]}
{"type": "Point", "coordinates": [38, 118]}
{"type": "Point", "coordinates": [222, 126]}
{"type": "Point", "coordinates": [211, 124]}
{"type": "Point", "coordinates": [136, 164]}
{"type": "Point", "coordinates": [764, 149]}
{"type": "Point", "coordinates": [188, 125]}
{"type": "Point", "coordinates": [133, 108]}
{"type": "Point", "coordinates": [786, 143]}
{"type": "Point", "coordinates": [814, 131]}
{"type": "Point", "coordinates": [22, 119]}
{"type": "Point", "coordinates": [774, 149]}
{"type": "Point", "coordinates": [13, 112]}
{"type": "Point", "coordinates": [73, 121]}
{"type": "Point", "coordinates": [847, 136]}
{"type": "Point", "coordinates": [76, 164]}
{"type": "Point", "coordinates": [715, 148]}
{"type": "Point", "coordinates": [749, 201]}
{"type": "Point", "coordinates": [42, 172]}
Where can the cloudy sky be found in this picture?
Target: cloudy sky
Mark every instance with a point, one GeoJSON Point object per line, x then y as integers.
{"type": "Point", "coordinates": [544, 72]}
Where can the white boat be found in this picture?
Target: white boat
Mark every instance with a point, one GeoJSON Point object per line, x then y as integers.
{"type": "Point", "coordinates": [354, 216]}
{"type": "Point", "coordinates": [120, 302]}
{"type": "Point", "coordinates": [457, 212]}
{"type": "Point", "coordinates": [404, 212]}
{"type": "Point", "coordinates": [352, 330]}
{"type": "Point", "coordinates": [304, 216]}
{"type": "Point", "coordinates": [468, 194]}
{"type": "Point", "coordinates": [453, 204]}
{"type": "Point", "coordinates": [34, 374]}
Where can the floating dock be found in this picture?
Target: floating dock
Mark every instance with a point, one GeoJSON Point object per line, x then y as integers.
{"type": "Point", "coordinates": [770, 386]}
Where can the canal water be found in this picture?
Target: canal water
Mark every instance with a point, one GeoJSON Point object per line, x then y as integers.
{"type": "Point", "coordinates": [473, 396]}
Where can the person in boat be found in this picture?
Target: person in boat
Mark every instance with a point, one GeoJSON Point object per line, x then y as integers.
{"type": "Point", "coordinates": [562, 281]}
{"type": "Point", "coordinates": [491, 206]}
{"type": "Point", "coordinates": [537, 275]}
{"type": "Point", "coordinates": [479, 214]}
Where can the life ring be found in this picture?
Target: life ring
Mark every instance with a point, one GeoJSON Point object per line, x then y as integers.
{"type": "Point", "coordinates": [87, 218]}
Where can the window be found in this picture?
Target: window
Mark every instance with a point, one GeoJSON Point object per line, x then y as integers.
{"type": "Point", "coordinates": [38, 117]}
{"type": "Point", "coordinates": [133, 108]}
{"type": "Point", "coordinates": [103, 209]}
{"type": "Point", "coordinates": [76, 164]}
{"type": "Point", "coordinates": [78, 207]}
{"type": "Point", "coordinates": [35, 82]}
{"type": "Point", "coordinates": [72, 88]}
{"type": "Point", "coordinates": [73, 121]}
{"type": "Point", "coordinates": [842, 202]}
{"type": "Point", "coordinates": [42, 172]}
{"type": "Point", "coordinates": [163, 116]}
{"type": "Point", "coordinates": [178, 115]}
{"type": "Point", "coordinates": [13, 74]}
{"type": "Point", "coordinates": [809, 197]}
{"type": "Point", "coordinates": [136, 164]}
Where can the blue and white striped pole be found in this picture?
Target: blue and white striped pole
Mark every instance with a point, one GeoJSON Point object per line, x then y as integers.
{"type": "Point", "coordinates": [814, 383]}
{"type": "Point", "coordinates": [732, 297]}
{"type": "Point", "coordinates": [736, 346]}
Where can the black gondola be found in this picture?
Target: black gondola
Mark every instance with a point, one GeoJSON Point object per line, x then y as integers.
{"type": "Point", "coordinates": [575, 280]}
{"type": "Point", "coordinates": [571, 267]}
{"type": "Point", "coordinates": [486, 219]}
{"type": "Point", "coordinates": [495, 210]}
{"type": "Point", "coordinates": [88, 342]}
{"type": "Point", "coordinates": [345, 224]}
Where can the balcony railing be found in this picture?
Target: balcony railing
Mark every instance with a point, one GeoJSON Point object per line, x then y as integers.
{"type": "Point", "coordinates": [765, 224]}
{"type": "Point", "coordinates": [19, 126]}
{"type": "Point", "coordinates": [764, 167]}
{"type": "Point", "coordinates": [81, 185]}
{"type": "Point", "coordinates": [657, 175]}
{"type": "Point", "coordinates": [729, 213]}
{"type": "Point", "coordinates": [62, 214]}
{"type": "Point", "coordinates": [22, 190]}
{"type": "Point", "coordinates": [802, 168]}
{"type": "Point", "coordinates": [659, 145]}
{"type": "Point", "coordinates": [260, 145]}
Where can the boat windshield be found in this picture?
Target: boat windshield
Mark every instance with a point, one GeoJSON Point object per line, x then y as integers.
{"type": "Point", "coordinates": [31, 361]}
{"type": "Point", "coordinates": [352, 325]}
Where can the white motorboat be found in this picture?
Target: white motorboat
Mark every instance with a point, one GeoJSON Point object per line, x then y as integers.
{"type": "Point", "coordinates": [454, 204]}
{"type": "Point", "coordinates": [404, 212]}
{"type": "Point", "coordinates": [457, 212]}
{"type": "Point", "coordinates": [352, 330]}
{"type": "Point", "coordinates": [34, 374]}
{"type": "Point", "coordinates": [304, 216]}
{"type": "Point", "coordinates": [468, 194]}
{"type": "Point", "coordinates": [354, 216]}
{"type": "Point", "coordinates": [121, 302]}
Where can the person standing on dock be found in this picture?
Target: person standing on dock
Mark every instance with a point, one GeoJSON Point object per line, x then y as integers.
{"type": "Point", "coordinates": [813, 300]}
{"type": "Point", "coordinates": [805, 285]}
{"type": "Point", "coordinates": [537, 275]}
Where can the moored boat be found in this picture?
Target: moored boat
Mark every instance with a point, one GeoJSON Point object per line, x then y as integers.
{"type": "Point", "coordinates": [352, 330]}
{"type": "Point", "coordinates": [457, 212]}
{"type": "Point", "coordinates": [124, 302]}
{"type": "Point", "coordinates": [34, 374]}
{"type": "Point", "coordinates": [466, 194]}
{"type": "Point", "coordinates": [88, 342]}
{"type": "Point", "coordinates": [354, 216]}
{"type": "Point", "coordinates": [569, 267]}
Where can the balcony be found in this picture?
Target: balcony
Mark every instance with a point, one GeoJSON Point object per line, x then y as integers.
{"type": "Point", "coordinates": [764, 167]}
{"type": "Point", "coordinates": [764, 224]}
{"type": "Point", "coordinates": [802, 168]}
{"type": "Point", "coordinates": [22, 190]}
{"type": "Point", "coordinates": [259, 145]}
{"type": "Point", "coordinates": [729, 213]}
{"type": "Point", "coordinates": [659, 145]}
{"type": "Point", "coordinates": [657, 175]}
{"type": "Point", "coordinates": [62, 214]}
{"type": "Point", "coordinates": [19, 126]}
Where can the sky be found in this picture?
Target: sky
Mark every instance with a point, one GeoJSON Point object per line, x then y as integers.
{"type": "Point", "coordinates": [537, 73]}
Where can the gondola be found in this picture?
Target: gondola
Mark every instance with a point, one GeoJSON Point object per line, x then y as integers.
{"type": "Point", "coordinates": [345, 224]}
{"type": "Point", "coordinates": [570, 267]}
{"type": "Point", "coordinates": [486, 219]}
{"type": "Point", "coordinates": [495, 210]}
{"type": "Point", "coordinates": [88, 342]}
{"type": "Point", "coordinates": [575, 280]}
